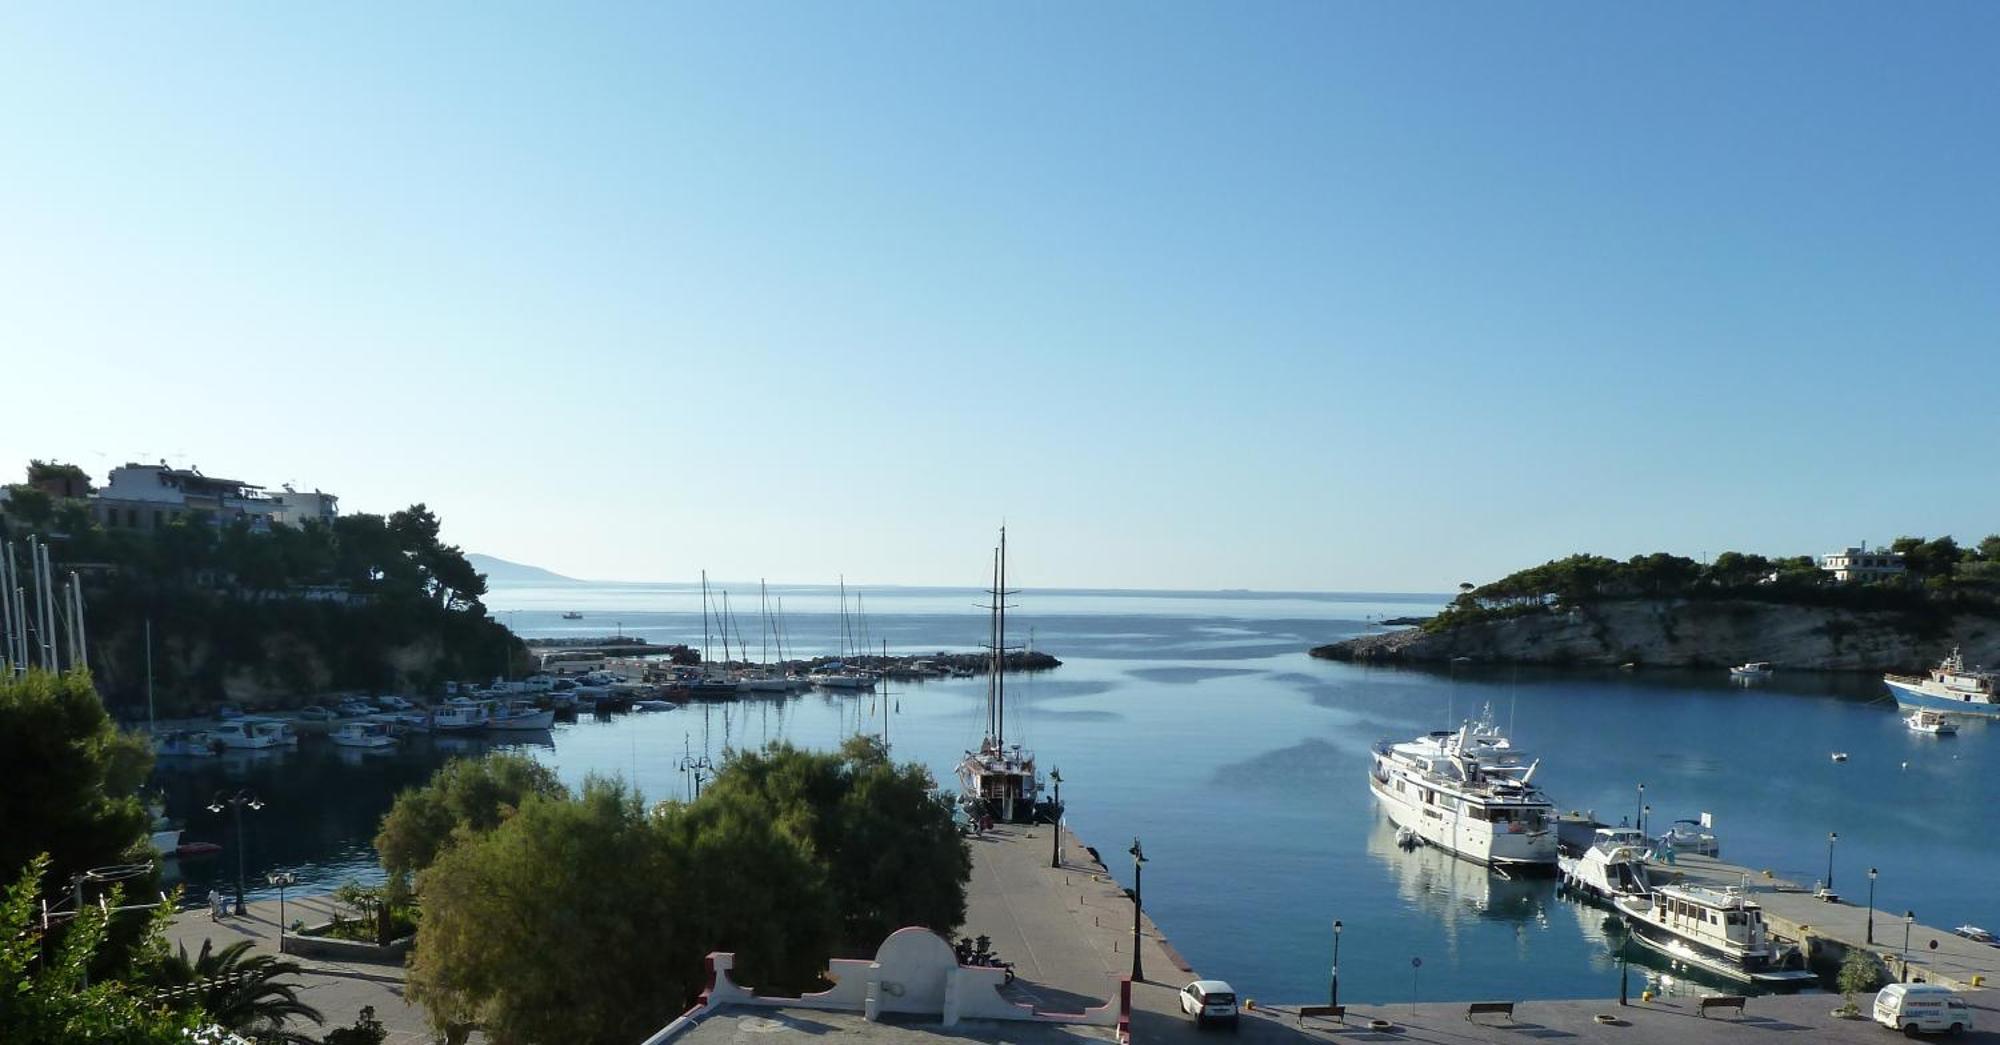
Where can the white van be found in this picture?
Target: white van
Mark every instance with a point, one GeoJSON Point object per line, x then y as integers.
{"type": "Point", "coordinates": [1913, 1007]}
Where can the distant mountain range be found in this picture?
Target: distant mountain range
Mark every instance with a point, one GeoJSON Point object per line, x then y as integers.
{"type": "Point", "coordinates": [501, 571]}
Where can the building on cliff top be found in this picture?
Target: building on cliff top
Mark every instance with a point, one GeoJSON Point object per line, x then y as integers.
{"type": "Point", "coordinates": [144, 496]}
{"type": "Point", "coordinates": [1863, 564]}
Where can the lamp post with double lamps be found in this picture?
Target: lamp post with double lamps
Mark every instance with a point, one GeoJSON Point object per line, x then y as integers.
{"type": "Point", "coordinates": [1055, 820]}
{"type": "Point", "coordinates": [225, 800]}
{"type": "Point", "coordinates": [1138, 904]}
{"type": "Point", "coordinates": [283, 880]}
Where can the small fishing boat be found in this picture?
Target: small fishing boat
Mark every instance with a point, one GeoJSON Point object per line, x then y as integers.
{"type": "Point", "coordinates": [1935, 723]}
{"type": "Point", "coordinates": [520, 715]}
{"type": "Point", "coordinates": [459, 715]}
{"type": "Point", "coordinates": [1840, 756]}
{"type": "Point", "coordinates": [367, 736]}
{"type": "Point", "coordinates": [1976, 935]}
{"type": "Point", "coordinates": [1756, 669]}
{"type": "Point", "coordinates": [572, 615]}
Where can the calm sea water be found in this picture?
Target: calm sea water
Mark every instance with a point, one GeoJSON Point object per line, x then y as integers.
{"type": "Point", "coordinates": [1195, 722]}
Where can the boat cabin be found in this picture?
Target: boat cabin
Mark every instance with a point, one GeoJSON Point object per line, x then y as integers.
{"type": "Point", "coordinates": [1721, 919]}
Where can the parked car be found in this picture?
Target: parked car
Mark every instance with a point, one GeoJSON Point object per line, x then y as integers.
{"type": "Point", "coordinates": [315, 713]}
{"type": "Point", "coordinates": [1209, 1001]}
{"type": "Point", "coordinates": [1913, 1007]}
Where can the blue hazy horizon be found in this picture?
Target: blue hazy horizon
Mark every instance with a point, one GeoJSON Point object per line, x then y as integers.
{"type": "Point", "coordinates": [1300, 296]}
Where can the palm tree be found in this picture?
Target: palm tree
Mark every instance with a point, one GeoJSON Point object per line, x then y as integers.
{"type": "Point", "coordinates": [240, 990]}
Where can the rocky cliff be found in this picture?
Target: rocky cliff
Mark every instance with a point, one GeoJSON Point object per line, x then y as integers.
{"type": "Point", "coordinates": [1693, 633]}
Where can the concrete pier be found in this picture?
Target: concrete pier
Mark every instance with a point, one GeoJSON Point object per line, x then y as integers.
{"type": "Point", "coordinates": [1828, 928]}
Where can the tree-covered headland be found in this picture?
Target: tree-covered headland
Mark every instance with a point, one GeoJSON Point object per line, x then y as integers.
{"type": "Point", "coordinates": [272, 615]}
{"type": "Point", "coordinates": [1941, 579]}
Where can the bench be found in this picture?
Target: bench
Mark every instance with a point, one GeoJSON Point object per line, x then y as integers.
{"type": "Point", "coordinates": [1722, 1001]}
{"type": "Point", "coordinates": [1337, 1012]}
{"type": "Point", "coordinates": [1490, 1008]}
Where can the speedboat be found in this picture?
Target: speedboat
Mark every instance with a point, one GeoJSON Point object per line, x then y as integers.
{"type": "Point", "coordinates": [243, 733]}
{"type": "Point", "coordinates": [1976, 935]}
{"type": "Point", "coordinates": [1756, 669]}
{"type": "Point", "coordinates": [370, 736]}
{"type": "Point", "coordinates": [521, 715]}
{"type": "Point", "coordinates": [186, 743]}
{"type": "Point", "coordinates": [1614, 866]}
{"type": "Point", "coordinates": [1924, 720]}
{"type": "Point", "coordinates": [276, 728]}
{"type": "Point", "coordinates": [1951, 686]}
{"type": "Point", "coordinates": [1721, 931]}
{"type": "Point", "coordinates": [1692, 836]}
{"type": "Point", "coordinates": [1437, 786]}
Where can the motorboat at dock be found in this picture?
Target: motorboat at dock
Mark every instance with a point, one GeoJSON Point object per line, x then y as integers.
{"type": "Point", "coordinates": [364, 735]}
{"type": "Point", "coordinates": [1612, 868]}
{"type": "Point", "coordinates": [1935, 723]}
{"type": "Point", "coordinates": [1721, 931]}
{"type": "Point", "coordinates": [1951, 686]}
{"type": "Point", "coordinates": [1756, 669]}
{"type": "Point", "coordinates": [519, 715]}
{"type": "Point", "coordinates": [1692, 836]}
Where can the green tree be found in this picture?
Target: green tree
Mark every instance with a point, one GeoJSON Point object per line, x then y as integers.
{"type": "Point", "coordinates": [1860, 973]}
{"type": "Point", "coordinates": [1989, 549]}
{"type": "Point", "coordinates": [570, 921]}
{"type": "Point", "coordinates": [30, 505]}
{"type": "Point", "coordinates": [467, 797]}
{"type": "Point", "coordinates": [47, 1002]}
{"type": "Point", "coordinates": [366, 1030]}
{"type": "Point", "coordinates": [73, 776]}
{"type": "Point", "coordinates": [240, 990]}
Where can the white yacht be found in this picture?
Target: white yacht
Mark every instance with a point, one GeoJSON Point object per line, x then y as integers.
{"type": "Point", "coordinates": [1924, 720]}
{"type": "Point", "coordinates": [519, 714]}
{"type": "Point", "coordinates": [1719, 930]}
{"type": "Point", "coordinates": [1497, 755]}
{"type": "Point", "coordinates": [1437, 787]}
{"type": "Point", "coordinates": [1950, 686]}
{"type": "Point", "coordinates": [999, 780]}
{"type": "Point", "coordinates": [1614, 866]}
{"type": "Point", "coordinates": [1756, 669]}
{"type": "Point", "coordinates": [185, 743]}
{"type": "Point", "coordinates": [243, 733]}
{"type": "Point", "coordinates": [367, 735]}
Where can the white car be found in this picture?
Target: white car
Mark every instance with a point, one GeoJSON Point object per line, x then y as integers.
{"type": "Point", "coordinates": [1209, 1001]}
{"type": "Point", "coordinates": [1913, 1007]}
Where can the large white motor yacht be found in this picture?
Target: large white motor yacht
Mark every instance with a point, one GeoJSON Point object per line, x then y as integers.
{"type": "Point", "coordinates": [1438, 787]}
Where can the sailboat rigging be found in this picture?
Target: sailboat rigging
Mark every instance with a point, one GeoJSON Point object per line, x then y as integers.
{"type": "Point", "coordinates": [999, 781]}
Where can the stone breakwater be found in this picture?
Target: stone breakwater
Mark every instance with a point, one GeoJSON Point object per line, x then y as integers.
{"type": "Point", "coordinates": [1682, 633]}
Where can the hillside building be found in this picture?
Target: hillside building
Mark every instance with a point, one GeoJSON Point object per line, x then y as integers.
{"type": "Point", "coordinates": [1863, 564]}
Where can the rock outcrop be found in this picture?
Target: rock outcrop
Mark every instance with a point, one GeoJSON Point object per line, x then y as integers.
{"type": "Point", "coordinates": [1692, 634]}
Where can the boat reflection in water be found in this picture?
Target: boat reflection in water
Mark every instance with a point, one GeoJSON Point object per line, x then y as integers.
{"type": "Point", "coordinates": [462, 744]}
{"type": "Point", "coordinates": [1455, 890]}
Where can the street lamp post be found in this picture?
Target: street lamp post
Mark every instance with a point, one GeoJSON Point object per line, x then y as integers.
{"type": "Point", "coordinates": [1831, 837]}
{"type": "Point", "coordinates": [1055, 825]}
{"type": "Point", "coordinates": [1642, 808]}
{"type": "Point", "coordinates": [1138, 904]}
{"type": "Point", "coordinates": [281, 879]}
{"type": "Point", "coordinates": [225, 800]}
{"type": "Point", "coordinates": [1871, 905]}
{"type": "Point", "coordinates": [1645, 814]}
{"type": "Point", "coordinates": [1333, 991]}
{"type": "Point", "coordinates": [1909, 919]}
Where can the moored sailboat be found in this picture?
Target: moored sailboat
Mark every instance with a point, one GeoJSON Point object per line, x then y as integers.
{"type": "Point", "coordinates": [999, 780]}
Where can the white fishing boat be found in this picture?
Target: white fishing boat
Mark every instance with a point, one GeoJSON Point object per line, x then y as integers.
{"type": "Point", "coordinates": [1721, 931]}
{"type": "Point", "coordinates": [1935, 723]}
{"type": "Point", "coordinates": [186, 743]}
{"type": "Point", "coordinates": [276, 728]}
{"type": "Point", "coordinates": [519, 715]}
{"type": "Point", "coordinates": [243, 734]}
{"type": "Point", "coordinates": [1692, 836]}
{"type": "Point", "coordinates": [838, 676]}
{"type": "Point", "coordinates": [458, 715]}
{"type": "Point", "coordinates": [1437, 787]}
{"type": "Point", "coordinates": [1612, 868]}
{"type": "Point", "coordinates": [999, 780]}
{"type": "Point", "coordinates": [1951, 686]}
{"type": "Point", "coordinates": [1756, 669]}
{"type": "Point", "coordinates": [368, 736]}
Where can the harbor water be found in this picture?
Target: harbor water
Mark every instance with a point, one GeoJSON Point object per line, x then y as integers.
{"type": "Point", "coordinates": [1197, 723]}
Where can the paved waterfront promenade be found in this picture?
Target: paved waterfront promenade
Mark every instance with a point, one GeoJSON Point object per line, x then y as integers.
{"type": "Point", "coordinates": [337, 989]}
{"type": "Point", "coordinates": [1068, 931]}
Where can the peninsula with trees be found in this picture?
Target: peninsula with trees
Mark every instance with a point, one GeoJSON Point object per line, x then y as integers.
{"type": "Point", "coordinates": [1898, 608]}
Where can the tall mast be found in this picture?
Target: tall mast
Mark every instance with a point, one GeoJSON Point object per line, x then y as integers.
{"type": "Point", "coordinates": [1000, 648]}
{"type": "Point", "coordinates": [764, 622]}
{"type": "Point", "coordinates": [705, 662]}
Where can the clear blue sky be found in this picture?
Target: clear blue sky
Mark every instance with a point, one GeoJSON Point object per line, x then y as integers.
{"type": "Point", "coordinates": [1282, 295]}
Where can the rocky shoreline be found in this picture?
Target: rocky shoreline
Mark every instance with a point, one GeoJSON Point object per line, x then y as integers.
{"type": "Point", "coordinates": [1684, 633]}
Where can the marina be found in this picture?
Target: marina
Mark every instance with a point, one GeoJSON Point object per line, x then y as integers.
{"type": "Point", "coordinates": [1264, 754]}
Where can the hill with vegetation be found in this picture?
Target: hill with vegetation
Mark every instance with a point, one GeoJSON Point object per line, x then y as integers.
{"type": "Point", "coordinates": [1664, 610]}
{"type": "Point", "coordinates": [503, 571]}
{"type": "Point", "coordinates": [270, 617]}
